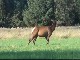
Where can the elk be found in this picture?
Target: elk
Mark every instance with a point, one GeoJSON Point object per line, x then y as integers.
{"type": "Point", "coordinates": [42, 31]}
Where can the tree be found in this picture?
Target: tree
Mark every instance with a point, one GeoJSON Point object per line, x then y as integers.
{"type": "Point", "coordinates": [1, 13]}
{"type": "Point", "coordinates": [37, 10]}
{"type": "Point", "coordinates": [11, 9]}
{"type": "Point", "coordinates": [21, 13]}
{"type": "Point", "coordinates": [67, 10]}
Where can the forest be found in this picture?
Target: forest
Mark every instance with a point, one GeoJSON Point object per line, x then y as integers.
{"type": "Point", "coordinates": [27, 13]}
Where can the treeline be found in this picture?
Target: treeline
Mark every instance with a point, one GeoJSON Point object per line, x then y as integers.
{"type": "Point", "coordinates": [26, 13]}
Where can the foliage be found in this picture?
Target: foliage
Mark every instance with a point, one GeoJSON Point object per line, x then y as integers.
{"type": "Point", "coordinates": [37, 10]}
{"type": "Point", "coordinates": [22, 13]}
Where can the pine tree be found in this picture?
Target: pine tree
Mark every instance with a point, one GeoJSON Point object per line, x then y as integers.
{"type": "Point", "coordinates": [37, 10]}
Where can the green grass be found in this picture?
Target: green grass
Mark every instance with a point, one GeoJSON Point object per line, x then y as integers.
{"type": "Point", "coordinates": [58, 48]}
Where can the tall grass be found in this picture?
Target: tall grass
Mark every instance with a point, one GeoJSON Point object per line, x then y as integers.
{"type": "Point", "coordinates": [60, 32]}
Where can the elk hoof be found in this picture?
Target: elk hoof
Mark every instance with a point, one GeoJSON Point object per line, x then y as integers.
{"type": "Point", "coordinates": [47, 43]}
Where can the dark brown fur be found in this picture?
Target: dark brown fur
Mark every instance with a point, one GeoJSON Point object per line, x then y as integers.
{"type": "Point", "coordinates": [43, 31]}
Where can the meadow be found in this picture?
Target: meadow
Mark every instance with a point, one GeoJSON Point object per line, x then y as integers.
{"type": "Point", "coordinates": [64, 44]}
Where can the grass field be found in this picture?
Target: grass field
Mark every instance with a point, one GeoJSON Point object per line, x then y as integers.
{"type": "Point", "coordinates": [14, 45]}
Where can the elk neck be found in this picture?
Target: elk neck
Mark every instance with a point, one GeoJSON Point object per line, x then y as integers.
{"type": "Point", "coordinates": [53, 26]}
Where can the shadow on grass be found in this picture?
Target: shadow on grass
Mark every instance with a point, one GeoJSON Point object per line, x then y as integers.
{"type": "Point", "coordinates": [69, 54]}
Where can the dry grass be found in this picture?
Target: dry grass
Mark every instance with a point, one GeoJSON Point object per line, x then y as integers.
{"type": "Point", "coordinates": [66, 32]}
{"type": "Point", "coordinates": [14, 33]}
{"type": "Point", "coordinates": [60, 32]}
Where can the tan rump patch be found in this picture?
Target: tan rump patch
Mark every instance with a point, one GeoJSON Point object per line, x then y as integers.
{"type": "Point", "coordinates": [32, 29]}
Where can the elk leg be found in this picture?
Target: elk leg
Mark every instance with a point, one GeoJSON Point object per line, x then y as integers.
{"type": "Point", "coordinates": [30, 40]}
{"type": "Point", "coordinates": [34, 40]}
{"type": "Point", "coordinates": [49, 34]}
{"type": "Point", "coordinates": [47, 38]}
